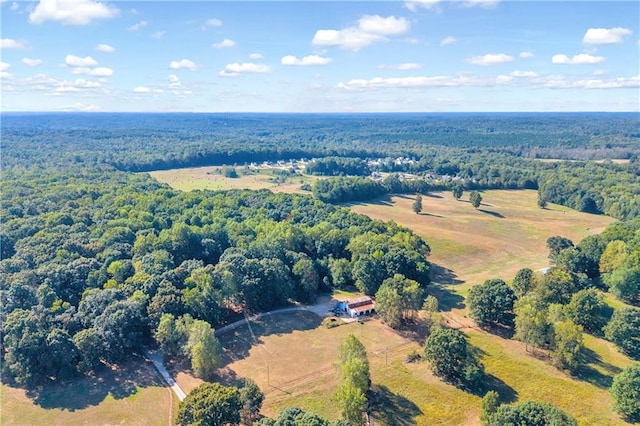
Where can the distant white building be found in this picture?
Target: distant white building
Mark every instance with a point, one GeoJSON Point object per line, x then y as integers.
{"type": "Point", "coordinates": [358, 307]}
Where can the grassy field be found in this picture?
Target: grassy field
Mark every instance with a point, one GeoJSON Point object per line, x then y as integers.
{"type": "Point", "coordinates": [506, 233]}
{"type": "Point", "coordinates": [189, 179]}
{"type": "Point", "coordinates": [133, 394]}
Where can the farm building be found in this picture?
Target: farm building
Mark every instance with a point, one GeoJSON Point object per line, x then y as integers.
{"type": "Point", "coordinates": [357, 307]}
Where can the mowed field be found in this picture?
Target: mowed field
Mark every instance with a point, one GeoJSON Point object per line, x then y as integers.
{"type": "Point", "coordinates": [133, 394]}
{"type": "Point", "coordinates": [507, 232]}
{"type": "Point", "coordinates": [189, 179]}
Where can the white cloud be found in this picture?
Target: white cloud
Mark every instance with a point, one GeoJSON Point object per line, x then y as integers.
{"type": "Point", "coordinates": [138, 25]}
{"type": "Point", "coordinates": [213, 23]}
{"type": "Point", "coordinates": [490, 59]}
{"type": "Point", "coordinates": [31, 62]}
{"type": "Point", "coordinates": [425, 4]}
{"type": "Point", "coordinates": [581, 59]}
{"type": "Point", "coordinates": [97, 72]}
{"type": "Point", "coordinates": [618, 83]}
{"type": "Point", "coordinates": [14, 6]}
{"type": "Point", "coordinates": [79, 106]}
{"type": "Point", "coordinates": [256, 56]}
{"type": "Point", "coordinates": [9, 43]}
{"type": "Point", "coordinates": [527, 74]}
{"type": "Point", "coordinates": [409, 82]}
{"type": "Point", "coordinates": [105, 48]}
{"type": "Point", "coordinates": [76, 61]}
{"type": "Point", "coordinates": [141, 89]}
{"type": "Point", "coordinates": [401, 67]}
{"type": "Point", "coordinates": [71, 12]}
{"type": "Point", "coordinates": [598, 36]}
{"type": "Point", "coordinates": [526, 55]}
{"type": "Point", "coordinates": [182, 64]}
{"type": "Point", "coordinates": [370, 29]}
{"type": "Point", "coordinates": [4, 66]}
{"type": "Point", "coordinates": [226, 43]}
{"type": "Point", "coordinates": [235, 69]}
{"type": "Point", "coordinates": [158, 35]}
{"type": "Point", "coordinates": [448, 40]}
{"type": "Point", "coordinates": [306, 61]}
{"type": "Point", "coordinates": [375, 24]}
{"type": "Point", "coordinates": [487, 4]}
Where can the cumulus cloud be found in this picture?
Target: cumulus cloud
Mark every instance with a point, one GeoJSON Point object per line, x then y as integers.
{"type": "Point", "coordinates": [448, 40]}
{"type": "Point", "coordinates": [306, 61]}
{"type": "Point", "coordinates": [581, 59]}
{"type": "Point", "coordinates": [97, 72]}
{"type": "Point", "coordinates": [226, 43]}
{"type": "Point", "coordinates": [105, 48]}
{"type": "Point", "coordinates": [138, 25]}
{"type": "Point", "coordinates": [213, 23]}
{"type": "Point", "coordinates": [31, 62]}
{"type": "Point", "coordinates": [599, 36]}
{"type": "Point", "coordinates": [617, 83]}
{"type": "Point", "coordinates": [71, 12]}
{"type": "Point", "coordinates": [416, 4]}
{"type": "Point", "coordinates": [526, 55]}
{"type": "Point", "coordinates": [490, 59]}
{"type": "Point", "coordinates": [370, 29]}
{"type": "Point", "coordinates": [235, 69]}
{"type": "Point", "coordinates": [77, 61]}
{"type": "Point", "coordinates": [256, 56]}
{"type": "Point", "coordinates": [526, 74]}
{"type": "Point", "coordinates": [182, 64]}
{"type": "Point", "coordinates": [413, 82]}
{"type": "Point", "coordinates": [487, 4]}
{"type": "Point", "coordinates": [14, 6]}
{"type": "Point", "coordinates": [9, 43]}
{"type": "Point", "coordinates": [141, 89]}
{"type": "Point", "coordinates": [4, 74]}
{"type": "Point", "coordinates": [401, 67]}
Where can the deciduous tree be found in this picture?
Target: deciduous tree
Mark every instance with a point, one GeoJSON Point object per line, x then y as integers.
{"type": "Point", "coordinates": [210, 404]}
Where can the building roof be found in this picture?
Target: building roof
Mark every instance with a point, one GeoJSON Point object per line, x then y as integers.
{"type": "Point", "coordinates": [360, 301]}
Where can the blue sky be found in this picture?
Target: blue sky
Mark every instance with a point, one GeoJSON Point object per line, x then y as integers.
{"type": "Point", "coordinates": [320, 56]}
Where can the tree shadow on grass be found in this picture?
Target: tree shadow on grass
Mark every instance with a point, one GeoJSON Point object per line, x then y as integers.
{"type": "Point", "coordinates": [430, 215]}
{"type": "Point", "coordinates": [432, 195]}
{"type": "Point", "coordinates": [492, 213]}
{"type": "Point", "coordinates": [120, 381]}
{"type": "Point", "coordinates": [506, 392]}
{"type": "Point", "coordinates": [443, 275]}
{"type": "Point", "coordinates": [447, 299]}
{"type": "Point", "coordinates": [237, 342]}
{"type": "Point", "coordinates": [391, 409]}
{"type": "Point", "coordinates": [588, 373]}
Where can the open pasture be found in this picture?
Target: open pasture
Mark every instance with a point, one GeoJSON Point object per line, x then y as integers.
{"type": "Point", "coordinates": [132, 394]}
{"type": "Point", "coordinates": [189, 179]}
{"type": "Point", "coordinates": [506, 233]}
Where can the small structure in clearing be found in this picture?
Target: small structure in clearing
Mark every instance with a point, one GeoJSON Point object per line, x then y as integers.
{"type": "Point", "coordinates": [358, 307]}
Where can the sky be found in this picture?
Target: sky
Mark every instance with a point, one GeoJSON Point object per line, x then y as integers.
{"type": "Point", "coordinates": [320, 56]}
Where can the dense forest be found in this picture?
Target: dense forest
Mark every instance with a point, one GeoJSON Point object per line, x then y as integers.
{"type": "Point", "coordinates": [492, 151]}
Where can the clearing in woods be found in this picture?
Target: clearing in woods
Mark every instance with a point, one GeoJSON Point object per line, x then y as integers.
{"type": "Point", "coordinates": [189, 179]}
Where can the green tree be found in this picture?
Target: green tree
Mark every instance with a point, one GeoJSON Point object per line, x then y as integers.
{"type": "Point", "coordinates": [397, 299]}
{"type": "Point", "coordinates": [624, 282]}
{"type": "Point", "coordinates": [523, 282]}
{"type": "Point", "coordinates": [589, 309]}
{"type": "Point", "coordinates": [475, 199]}
{"type": "Point", "coordinates": [556, 244]}
{"type": "Point", "coordinates": [491, 303]}
{"type": "Point", "coordinates": [351, 395]}
{"type": "Point", "coordinates": [566, 351]}
{"type": "Point", "coordinates": [457, 191]}
{"type": "Point", "coordinates": [624, 331]}
{"type": "Point", "coordinates": [251, 397]}
{"type": "Point", "coordinates": [389, 305]}
{"type": "Point", "coordinates": [532, 325]}
{"type": "Point", "coordinates": [430, 304]}
{"type": "Point", "coordinates": [451, 357]}
{"type": "Point", "coordinates": [417, 204]}
{"type": "Point", "coordinates": [90, 348]}
{"type": "Point", "coordinates": [352, 403]}
{"type": "Point", "coordinates": [625, 392]}
{"type": "Point", "coordinates": [614, 256]}
{"type": "Point", "coordinates": [490, 405]}
{"type": "Point", "coordinates": [531, 413]}
{"type": "Point", "coordinates": [210, 404]}
{"type": "Point", "coordinates": [204, 349]}
{"type": "Point", "coordinates": [542, 202]}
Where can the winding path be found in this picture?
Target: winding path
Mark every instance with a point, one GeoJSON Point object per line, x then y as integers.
{"type": "Point", "coordinates": [156, 359]}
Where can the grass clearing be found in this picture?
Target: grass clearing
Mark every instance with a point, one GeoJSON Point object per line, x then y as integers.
{"type": "Point", "coordinates": [133, 394]}
{"type": "Point", "coordinates": [508, 231]}
{"type": "Point", "coordinates": [189, 179]}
